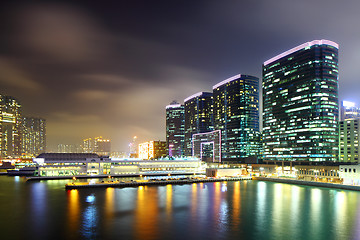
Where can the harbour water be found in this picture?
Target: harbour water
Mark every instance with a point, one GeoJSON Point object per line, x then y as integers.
{"type": "Point", "coordinates": [220, 210]}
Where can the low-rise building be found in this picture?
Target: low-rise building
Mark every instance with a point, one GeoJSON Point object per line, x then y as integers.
{"type": "Point", "coordinates": [72, 164]}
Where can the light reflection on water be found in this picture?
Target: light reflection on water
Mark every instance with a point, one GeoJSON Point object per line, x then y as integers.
{"type": "Point", "coordinates": [221, 210]}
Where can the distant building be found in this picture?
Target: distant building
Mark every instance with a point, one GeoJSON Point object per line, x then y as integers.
{"type": "Point", "coordinates": [175, 129]}
{"type": "Point", "coordinates": [10, 127]}
{"type": "Point", "coordinates": [133, 145]}
{"type": "Point", "coordinates": [88, 145]}
{"type": "Point", "coordinates": [152, 150]}
{"type": "Point", "coordinates": [33, 136]}
{"type": "Point", "coordinates": [236, 115]}
{"type": "Point", "coordinates": [300, 102]}
{"type": "Point", "coordinates": [198, 117]}
{"type": "Point", "coordinates": [102, 146]}
{"type": "Point", "coordinates": [66, 148]}
{"type": "Point", "coordinates": [349, 133]}
{"type": "Point", "coordinates": [349, 110]}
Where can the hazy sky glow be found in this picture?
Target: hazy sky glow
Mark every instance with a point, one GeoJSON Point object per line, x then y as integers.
{"type": "Point", "coordinates": [110, 69]}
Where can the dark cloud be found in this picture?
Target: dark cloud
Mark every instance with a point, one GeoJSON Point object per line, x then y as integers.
{"type": "Point", "coordinates": [95, 68]}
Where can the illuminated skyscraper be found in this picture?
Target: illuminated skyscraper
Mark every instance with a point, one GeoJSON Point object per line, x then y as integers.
{"type": "Point", "coordinates": [198, 117]}
{"type": "Point", "coordinates": [152, 150]}
{"type": "Point", "coordinates": [236, 114]}
{"type": "Point", "coordinates": [88, 145]}
{"type": "Point", "coordinates": [300, 102]}
{"type": "Point", "coordinates": [10, 122]}
{"type": "Point", "coordinates": [175, 129]}
{"type": "Point", "coordinates": [33, 136]}
{"type": "Point", "coordinates": [349, 133]}
{"type": "Point", "coordinates": [102, 146]}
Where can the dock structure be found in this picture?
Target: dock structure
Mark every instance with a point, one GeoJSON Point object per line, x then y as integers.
{"type": "Point", "coordinates": [120, 184]}
{"type": "Point", "coordinates": [39, 178]}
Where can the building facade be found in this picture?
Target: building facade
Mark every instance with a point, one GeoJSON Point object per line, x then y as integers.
{"type": "Point", "coordinates": [349, 110]}
{"type": "Point", "coordinates": [207, 146]}
{"type": "Point", "coordinates": [349, 133]}
{"type": "Point", "coordinates": [300, 102]}
{"type": "Point", "coordinates": [33, 136]}
{"type": "Point", "coordinates": [198, 117]}
{"type": "Point", "coordinates": [102, 146]}
{"type": "Point", "coordinates": [175, 129]}
{"type": "Point", "coordinates": [10, 127]}
{"type": "Point", "coordinates": [236, 115]}
{"type": "Point", "coordinates": [152, 150]}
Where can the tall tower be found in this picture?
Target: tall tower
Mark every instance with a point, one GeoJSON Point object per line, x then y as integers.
{"type": "Point", "coordinates": [33, 136]}
{"type": "Point", "coordinates": [10, 123]}
{"type": "Point", "coordinates": [175, 129]}
{"type": "Point", "coordinates": [198, 117]}
{"type": "Point", "coordinates": [236, 114]}
{"type": "Point", "coordinates": [300, 102]}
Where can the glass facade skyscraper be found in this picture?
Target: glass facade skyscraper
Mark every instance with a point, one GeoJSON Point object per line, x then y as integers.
{"type": "Point", "coordinates": [300, 102]}
{"type": "Point", "coordinates": [198, 117]}
{"type": "Point", "coordinates": [175, 129]}
{"type": "Point", "coordinates": [236, 114]}
{"type": "Point", "coordinates": [10, 123]}
{"type": "Point", "coordinates": [33, 136]}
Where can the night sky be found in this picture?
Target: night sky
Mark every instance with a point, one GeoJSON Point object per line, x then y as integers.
{"type": "Point", "coordinates": [109, 68]}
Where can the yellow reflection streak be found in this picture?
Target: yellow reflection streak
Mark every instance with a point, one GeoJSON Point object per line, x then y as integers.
{"type": "Point", "coordinates": [73, 212]}
{"type": "Point", "coordinates": [236, 205]}
{"type": "Point", "coordinates": [194, 201]}
{"type": "Point", "coordinates": [168, 201]}
{"type": "Point", "coordinates": [109, 206]}
{"type": "Point", "coordinates": [146, 213]}
{"type": "Point", "coordinates": [217, 199]}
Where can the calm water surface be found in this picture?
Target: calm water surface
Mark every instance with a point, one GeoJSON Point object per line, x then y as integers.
{"type": "Point", "coordinates": [227, 210]}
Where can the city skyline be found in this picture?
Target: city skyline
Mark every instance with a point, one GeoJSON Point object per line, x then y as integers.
{"type": "Point", "coordinates": [93, 70]}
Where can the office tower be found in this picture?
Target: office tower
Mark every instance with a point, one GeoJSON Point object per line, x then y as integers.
{"type": "Point", "coordinates": [175, 129]}
{"type": "Point", "coordinates": [198, 117]}
{"type": "Point", "coordinates": [88, 145]}
{"type": "Point", "coordinates": [102, 146]}
{"type": "Point", "coordinates": [349, 110]}
{"type": "Point", "coordinates": [133, 152]}
{"type": "Point", "coordinates": [349, 133]}
{"type": "Point", "coordinates": [300, 102]}
{"type": "Point", "coordinates": [236, 114]}
{"type": "Point", "coordinates": [33, 136]}
{"type": "Point", "coordinates": [152, 150]}
{"type": "Point", "coordinates": [10, 123]}
{"type": "Point", "coordinates": [66, 148]}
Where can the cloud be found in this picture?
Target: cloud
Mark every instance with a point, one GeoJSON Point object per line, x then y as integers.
{"type": "Point", "coordinates": [12, 76]}
{"type": "Point", "coordinates": [91, 95]}
{"type": "Point", "coordinates": [62, 33]}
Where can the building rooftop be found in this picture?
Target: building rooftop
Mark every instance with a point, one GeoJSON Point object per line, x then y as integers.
{"type": "Point", "coordinates": [302, 46]}
{"type": "Point", "coordinates": [67, 156]}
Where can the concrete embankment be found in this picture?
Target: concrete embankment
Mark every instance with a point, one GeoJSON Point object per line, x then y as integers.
{"type": "Point", "coordinates": [149, 183]}
{"type": "Point", "coordinates": [309, 183]}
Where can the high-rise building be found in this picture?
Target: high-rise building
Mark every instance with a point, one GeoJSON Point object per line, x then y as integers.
{"type": "Point", "coordinates": [67, 148]}
{"type": "Point", "coordinates": [10, 124]}
{"type": "Point", "coordinates": [198, 117]}
{"type": "Point", "coordinates": [300, 102]}
{"type": "Point", "coordinates": [33, 136]}
{"type": "Point", "coordinates": [88, 145]}
{"type": "Point", "coordinates": [349, 133]}
{"type": "Point", "coordinates": [236, 114]}
{"type": "Point", "coordinates": [349, 110]}
{"type": "Point", "coordinates": [175, 129]}
{"type": "Point", "coordinates": [102, 146]}
{"type": "Point", "coordinates": [152, 150]}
